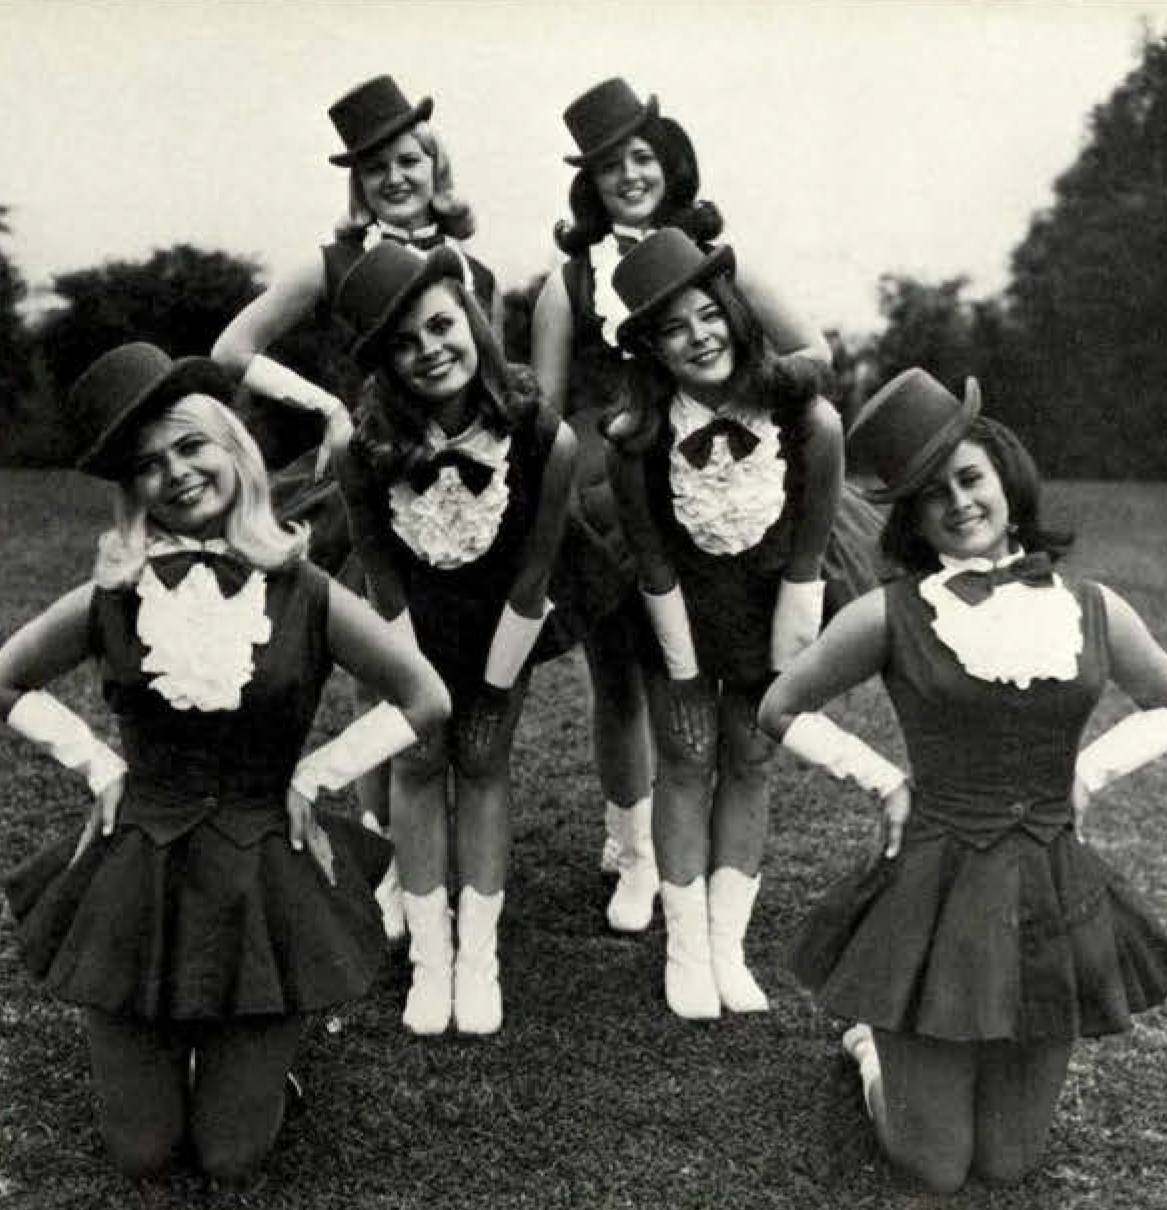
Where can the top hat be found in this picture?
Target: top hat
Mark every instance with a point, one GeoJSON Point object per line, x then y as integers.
{"type": "Point", "coordinates": [659, 268]}
{"type": "Point", "coordinates": [603, 116]}
{"type": "Point", "coordinates": [371, 114]}
{"type": "Point", "coordinates": [908, 428]}
{"type": "Point", "coordinates": [379, 286]}
{"type": "Point", "coordinates": [125, 387]}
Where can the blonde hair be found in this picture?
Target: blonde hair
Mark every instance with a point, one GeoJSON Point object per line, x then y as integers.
{"type": "Point", "coordinates": [251, 528]}
{"type": "Point", "coordinates": [452, 215]}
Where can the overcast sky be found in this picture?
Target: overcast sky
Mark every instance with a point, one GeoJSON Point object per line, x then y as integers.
{"type": "Point", "coordinates": [841, 140]}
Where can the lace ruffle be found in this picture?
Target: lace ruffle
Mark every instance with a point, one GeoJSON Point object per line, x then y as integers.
{"type": "Point", "coordinates": [727, 505]}
{"type": "Point", "coordinates": [447, 525]}
{"type": "Point", "coordinates": [198, 642]}
{"type": "Point", "coordinates": [1021, 633]}
{"type": "Point", "coordinates": [610, 309]}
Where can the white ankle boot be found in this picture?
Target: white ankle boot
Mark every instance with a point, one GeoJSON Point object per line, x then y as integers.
{"type": "Point", "coordinates": [630, 908]}
{"type": "Point", "coordinates": [388, 896]}
{"type": "Point", "coordinates": [731, 900]}
{"type": "Point", "coordinates": [477, 995]}
{"type": "Point", "coordinates": [689, 985]}
{"type": "Point", "coordinates": [431, 950]}
{"type": "Point", "coordinates": [613, 839]}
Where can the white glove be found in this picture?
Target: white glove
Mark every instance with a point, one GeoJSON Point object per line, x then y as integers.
{"type": "Point", "coordinates": [276, 381]}
{"type": "Point", "coordinates": [514, 639]}
{"type": "Point", "coordinates": [1130, 743]}
{"type": "Point", "coordinates": [38, 716]}
{"type": "Point", "coordinates": [362, 745]}
{"type": "Point", "coordinates": [670, 622]}
{"type": "Point", "coordinates": [798, 614]}
{"type": "Point", "coordinates": [818, 740]}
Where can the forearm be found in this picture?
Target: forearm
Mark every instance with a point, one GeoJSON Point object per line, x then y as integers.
{"type": "Point", "coordinates": [367, 522]}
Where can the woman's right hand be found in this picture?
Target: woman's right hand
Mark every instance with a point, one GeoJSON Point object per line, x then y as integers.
{"type": "Point", "coordinates": [896, 806]}
{"type": "Point", "coordinates": [1080, 802]}
{"type": "Point", "coordinates": [338, 432]}
{"type": "Point", "coordinates": [103, 814]}
{"type": "Point", "coordinates": [692, 713]}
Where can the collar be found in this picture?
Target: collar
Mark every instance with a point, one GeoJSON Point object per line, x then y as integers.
{"type": "Point", "coordinates": [158, 544]}
{"type": "Point", "coordinates": [950, 564]}
{"type": "Point", "coordinates": [405, 236]}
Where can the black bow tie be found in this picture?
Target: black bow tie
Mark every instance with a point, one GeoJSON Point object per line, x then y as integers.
{"type": "Point", "coordinates": [230, 571]}
{"type": "Point", "coordinates": [474, 474]}
{"type": "Point", "coordinates": [698, 446]}
{"type": "Point", "coordinates": [625, 243]}
{"type": "Point", "coordinates": [973, 587]}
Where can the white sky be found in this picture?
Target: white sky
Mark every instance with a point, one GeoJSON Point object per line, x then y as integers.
{"type": "Point", "coordinates": [841, 140]}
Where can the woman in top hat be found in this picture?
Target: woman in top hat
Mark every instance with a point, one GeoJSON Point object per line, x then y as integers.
{"type": "Point", "coordinates": [456, 483]}
{"type": "Point", "coordinates": [727, 471]}
{"type": "Point", "coordinates": [987, 937]}
{"type": "Point", "coordinates": [205, 908]}
{"type": "Point", "coordinates": [400, 189]}
{"type": "Point", "coordinates": [637, 173]}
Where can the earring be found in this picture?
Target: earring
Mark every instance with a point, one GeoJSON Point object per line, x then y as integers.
{"type": "Point", "coordinates": [1011, 529]}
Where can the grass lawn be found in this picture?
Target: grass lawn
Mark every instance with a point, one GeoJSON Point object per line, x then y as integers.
{"type": "Point", "coordinates": [593, 1096]}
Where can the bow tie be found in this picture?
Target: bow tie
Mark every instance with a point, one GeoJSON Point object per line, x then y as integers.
{"type": "Point", "coordinates": [474, 474]}
{"type": "Point", "coordinates": [974, 587]}
{"type": "Point", "coordinates": [424, 239]}
{"type": "Point", "coordinates": [625, 243]}
{"type": "Point", "coordinates": [698, 446]}
{"type": "Point", "coordinates": [229, 570]}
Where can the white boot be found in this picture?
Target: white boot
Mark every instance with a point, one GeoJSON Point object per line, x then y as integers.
{"type": "Point", "coordinates": [689, 986]}
{"type": "Point", "coordinates": [477, 995]}
{"type": "Point", "coordinates": [431, 950]}
{"type": "Point", "coordinates": [630, 909]}
{"type": "Point", "coordinates": [388, 896]}
{"type": "Point", "coordinates": [859, 1043]}
{"type": "Point", "coordinates": [731, 900]}
{"type": "Point", "coordinates": [613, 839]}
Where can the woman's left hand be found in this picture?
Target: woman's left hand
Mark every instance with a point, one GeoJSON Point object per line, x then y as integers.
{"type": "Point", "coordinates": [338, 432]}
{"type": "Point", "coordinates": [303, 826]}
{"type": "Point", "coordinates": [103, 815]}
{"type": "Point", "coordinates": [1080, 802]}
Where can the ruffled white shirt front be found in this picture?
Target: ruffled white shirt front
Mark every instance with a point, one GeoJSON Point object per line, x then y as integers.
{"type": "Point", "coordinates": [1019, 634]}
{"type": "Point", "coordinates": [199, 643]}
{"type": "Point", "coordinates": [727, 505]}
{"type": "Point", "coordinates": [604, 257]}
{"type": "Point", "coordinates": [447, 525]}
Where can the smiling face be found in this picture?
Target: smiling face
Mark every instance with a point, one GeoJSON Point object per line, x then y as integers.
{"type": "Point", "coordinates": [431, 348]}
{"type": "Point", "coordinates": [631, 182]}
{"type": "Point", "coordinates": [693, 342]}
{"type": "Point", "coordinates": [962, 511]}
{"type": "Point", "coordinates": [397, 181]}
{"type": "Point", "coordinates": [186, 482]}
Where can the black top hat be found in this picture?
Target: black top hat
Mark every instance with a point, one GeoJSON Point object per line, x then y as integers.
{"type": "Point", "coordinates": [659, 268]}
{"type": "Point", "coordinates": [603, 116]}
{"type": "Point", "coordinates": [125, 387]}
{"type": "Point", "coordinates": [372, 114]}
{"type": "Point", "coordinates": [377, 288]}
{"type": "Point", "coordinates": [908, 428]}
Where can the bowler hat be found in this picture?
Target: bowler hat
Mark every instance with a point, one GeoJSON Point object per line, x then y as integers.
{"type": "Point", "coordinates": [378, 287]}
{"type": "Point", "coordinates": [659, 268]}
{"type": "Point", "coordinates": [122, 389]}
{"type": "Point", "coordinates": [603, 116]}
{"type": "Point", "coordinates": [371, 114]}
{"type": "Point", "coordinates": [908, 428]}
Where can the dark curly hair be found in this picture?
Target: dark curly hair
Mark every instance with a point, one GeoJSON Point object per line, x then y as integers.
{"type": "Point", "coordinates": [700, 220]}
{"type": "Point", "coordinates": [391, 421]}
{"type": "Point", "coordinates": [902, 543]}
{"type": "Point", "coordinates": [781, 385]}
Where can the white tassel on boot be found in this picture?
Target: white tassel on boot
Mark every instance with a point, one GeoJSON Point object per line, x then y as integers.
{"type": "Point", "coordinates": [389, 899]}
{"type": "Point", "coordinates": [689, 985]}
{"type": "Point", "coordinates": [477, 995]}
{"type": "Point", "coordinates": [731, 900]}
{"type": "Point", "coordinates": [630, 908]}
{"type": "Point", "coordinates": [431, 950]}
{"type": "Point", "coordinates": [613, 839]}
{"type": "Point", "coordinates": [859, 1043]}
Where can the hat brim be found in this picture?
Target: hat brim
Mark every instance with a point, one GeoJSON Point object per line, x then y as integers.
{"type": "Point", "coordinates": [934, 451]}
{"type": "Point", "coordinates": [439, 264]}
{"type": "Point", "coordinates": [582, 159]}
{"type": "Point", "coordinates": [387, 130]}
{"type": "Point", "coordinates": [106, 457]}
{"type": "Point", "coordinates": [720, 260]}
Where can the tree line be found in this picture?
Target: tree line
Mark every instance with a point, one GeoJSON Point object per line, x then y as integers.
{"type": "Point", "coordinates": [1072, 353]}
